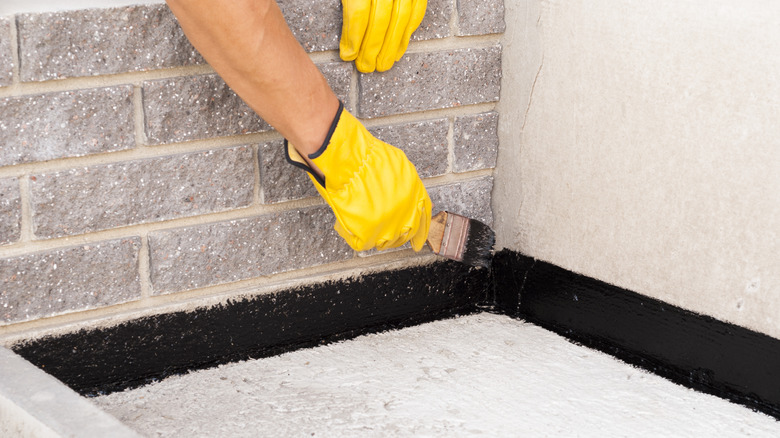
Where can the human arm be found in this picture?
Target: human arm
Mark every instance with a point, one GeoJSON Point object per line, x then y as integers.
{"type": "Point", "coordinates": [249, 44]}
{"type": "Point", "coordinates": [373, 189]}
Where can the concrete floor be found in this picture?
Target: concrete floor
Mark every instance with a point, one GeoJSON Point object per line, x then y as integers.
{"type": "Point", "coordinates": [477, 375]}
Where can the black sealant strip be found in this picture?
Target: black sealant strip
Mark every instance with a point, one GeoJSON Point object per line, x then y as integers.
{"type": "Point", "coordinates": [101, 361]}
{"type": "Point", "coordinates": [694, 350]}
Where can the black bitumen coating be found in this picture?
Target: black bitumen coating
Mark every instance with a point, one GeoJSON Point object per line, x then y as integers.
{"type": "Point", "coordinates": [101, 361]}
{"type": "Point", "coordinates": [693, 350]}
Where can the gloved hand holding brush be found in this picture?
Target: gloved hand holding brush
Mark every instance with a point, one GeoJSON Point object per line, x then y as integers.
{"type": "Point", "coordinates": [375, 193]}
{"type": "Point", "coordinates": [374, 190]}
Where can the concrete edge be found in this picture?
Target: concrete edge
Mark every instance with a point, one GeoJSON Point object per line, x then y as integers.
{"type": "Point", "coordinates": [35, 404]}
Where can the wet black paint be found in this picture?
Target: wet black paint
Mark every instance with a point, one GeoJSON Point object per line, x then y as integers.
{"type": "Point", "coordinates": [140, 351]}
{"type": "Point", "coordinates": [694, 350]}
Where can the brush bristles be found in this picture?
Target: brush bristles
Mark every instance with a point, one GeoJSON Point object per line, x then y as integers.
{"type": "Point", "coordinates": [479, 245]}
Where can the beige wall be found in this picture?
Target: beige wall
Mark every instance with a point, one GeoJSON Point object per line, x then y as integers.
{"type": "Point", "coordinates": [640, 145]}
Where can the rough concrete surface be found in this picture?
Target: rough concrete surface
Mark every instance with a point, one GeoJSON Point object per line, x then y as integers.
{"type": "Point", "coordinates": [482, 374]}
{"type": "Point", "coordinates": [35, 404]}
{"type": "Point", "coordinates": [639, 147]}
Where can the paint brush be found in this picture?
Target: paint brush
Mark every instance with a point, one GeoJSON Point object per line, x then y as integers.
{"type": "Point", "coordinates": [461, 239]}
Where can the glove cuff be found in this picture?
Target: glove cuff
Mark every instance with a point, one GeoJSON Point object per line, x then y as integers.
{"type": "Point", "coordinates": [294, 157]}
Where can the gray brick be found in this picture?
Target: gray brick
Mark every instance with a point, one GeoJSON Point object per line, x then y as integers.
{"type": "Point", "coordinates": [476, 142]}
{"type": "Point", "coordinates": [200, 107]}
{"type": "Point", "coordinates": [71, 279]}
{"type": "Point", "coordinates": [424, 81]}
{"type": "Point", "coordinates": [425, 144]}
{"type": "Point", "coordinates": [210, 254]}
{"type": "Point", "coordinates": [480, 17]}
{"type": "Point", "coordinates": [436, 23]}
{"type": "Point", "coordinates": [339, 77]}
{"type": "Point", "coordinates": [316, 24]}
{"type": "Point", "coordinates": [68, 124]}
{"type": "Point", "coordinates": [6, 55]}
{"type": "Point", "coordinates": [469, 198]}
{"type": "Point", "coordinates": [10, 210]}
{"type": "Point", "coordinates": [147, 37]}
{"type": "Point", "coordinates": [195, 107]}
{"type": "Point", "coordinates": [280, 180]}
{"type": "Point", "coordinates": [106, 196]}
{"type": "Point", "coordinates": [101, 41]}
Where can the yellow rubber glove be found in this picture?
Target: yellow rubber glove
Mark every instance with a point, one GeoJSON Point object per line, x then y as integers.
{"type": "Point", "coordinates": [374, 190]}
{"type": "Point", "coordinates": [376, 33]}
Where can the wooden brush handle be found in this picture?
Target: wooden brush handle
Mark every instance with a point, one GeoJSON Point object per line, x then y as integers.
{"type": "Point", "coordinates": [436, 231]}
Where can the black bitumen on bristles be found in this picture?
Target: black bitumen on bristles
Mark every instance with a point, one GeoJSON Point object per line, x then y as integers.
{"type": "Point", "coordinates": [478, 250]}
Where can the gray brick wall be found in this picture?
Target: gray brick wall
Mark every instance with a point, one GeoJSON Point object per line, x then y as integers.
{"type": "Point", "coordinates": [476, 142]}
{"type": "Point", "coordinates": [95, 198]}
{"type": "Point", "coordinates": [194, 108]}
{"type": "Point", "coordinates": [198, 107]}
{"type": "Point", "coordinates": [480, 17]}
{"type": "Point", "coordinates": [432, 80]}
{"type": "Point", "coordinates": [436, 23]}
{"type": "Point", "coordinates": [468, 198]}
{"type": "Point", "coordinates": [223, 252]}
{"type": "Point", "coordinates": [6, 53]}
{"type": "Point", "coordinates": [316, 24]}
{"type": "Point", "coordinates": [10, 210]}
{"type": "Point", "coordinates": [69, 279]}
{"type": "Point", "coordinates": [112, 139]}
{"type": "Point", "coordinates": [66, 124]}
{"type": "Point", "coordinates": [278, 181]}
{"type": "Point", "coordinates": [424, 143]}
{"type": "Point", "coordinates": [101, 41]}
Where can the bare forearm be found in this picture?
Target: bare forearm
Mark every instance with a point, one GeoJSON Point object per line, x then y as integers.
{"type": "Point", "coordinates": [249, 45]}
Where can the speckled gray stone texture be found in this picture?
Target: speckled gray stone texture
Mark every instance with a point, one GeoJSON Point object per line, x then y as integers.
{"type": "Point", "coordinates": [195, 107]}
{"type": "Point", "coordinates": [432, 80]}
{"type": "Point", "coordinates": [280, 180]}
{"type": "Point", "coordinates": [436, 23]}
{"type": "Point", "coordinates": [68, 124]}
{"type": "Point", "coordinates": [480, 17]}
{"type": "Point", "coordinates": [476, 142]}
{"type": "Point", "coordinates": [204, 255]}
{"type": "Point", "coordinates": [70, 279]}
{"type": "Point", "coordinates": [101, 41]}
{"type": "Point", "coordinates": [105, 196]}
{"type": "Point", "coordinates": [203, 106]}
{"type": "Point", "coordinates": [469, 198]}
{"type": "Point", "coordinates": [316, 24]}
{"type": "Point", "coordinates": [10, 210]}
{"type": "Point", "coordinates": [6, 54]}
{"type": "Point", "coordinates": [424, 143]}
